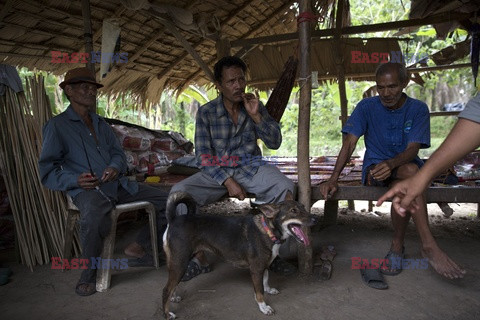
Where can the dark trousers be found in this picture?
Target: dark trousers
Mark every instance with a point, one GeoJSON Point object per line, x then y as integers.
{"type": "Point", "coordinates": [95, 221]}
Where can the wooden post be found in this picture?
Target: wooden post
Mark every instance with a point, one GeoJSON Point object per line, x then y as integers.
{"type": "Point", "coordinates": [87, 27]}
{"type": "Point", "coordinates": [337, 37]}
{"type": "Point", "coordinates": [223, 47]}
{"type": "Point", "coordinates": [186, 45]}
{"type": "Point", "coordinates": [305, 260]}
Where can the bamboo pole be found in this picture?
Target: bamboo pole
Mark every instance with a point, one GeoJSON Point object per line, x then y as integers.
{"type": "Point", "coordinates": [87, 27]}
{"type": "Point", "coordinates": [305, 262]}
{"type": "Point", "coordinates": [39, 214]}
{"type": "Point", "coordinates": [337, 41]}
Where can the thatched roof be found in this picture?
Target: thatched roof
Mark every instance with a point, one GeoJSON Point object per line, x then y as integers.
{"type": "Point", "coordinates": [156, 35]}
{"type": "Point", "coordinates": [30, 30]}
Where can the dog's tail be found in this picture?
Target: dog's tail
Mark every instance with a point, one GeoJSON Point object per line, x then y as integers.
{"type": "Point", "coordinates": [174, 199]}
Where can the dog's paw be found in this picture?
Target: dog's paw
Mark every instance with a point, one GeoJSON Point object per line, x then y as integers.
{"type": "Point", "coordinates": [266, 309]}
{"type": "Point", "coordinates": [175, 298]}
{"type": "Point", "coordinates": [171, 316]}
{"type": "Point", "coordinates": [271, 291]}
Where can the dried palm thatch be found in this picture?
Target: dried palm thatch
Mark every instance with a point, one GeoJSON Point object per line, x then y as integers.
{"type": "Point", "coordinates": [39, 214]}
{"type": "Point", "coordinates": [32, 29]}
{"type": "Point", "coordinates": [278, 100]}
{"type": "Point", "coordinates": [264, 62]}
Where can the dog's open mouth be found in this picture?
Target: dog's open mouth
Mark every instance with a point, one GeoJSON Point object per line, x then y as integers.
{"type": "Point", "coordinates": [298, 233]}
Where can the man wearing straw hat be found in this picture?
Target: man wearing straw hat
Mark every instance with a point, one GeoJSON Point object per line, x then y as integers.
{"type": "Point", "coordinates": [82, 156]}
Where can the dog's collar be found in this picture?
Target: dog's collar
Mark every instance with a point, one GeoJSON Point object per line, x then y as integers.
{"type": "Point", "coordinates": [269, 231]}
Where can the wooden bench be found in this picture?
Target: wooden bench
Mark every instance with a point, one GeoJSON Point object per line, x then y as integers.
{"type": "Point", "coordinates": [452, 194]}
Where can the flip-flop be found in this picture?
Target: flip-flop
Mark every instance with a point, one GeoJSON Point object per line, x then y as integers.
{"type": "Point", "coordinates": [393, 259]}
{"type": "Point", "coordinates": [328, 253]}
{"type": "Point", "coordinates": [85, 289]}
{"type": "Point", "coordinates": [194, 269]}
{"type": "Point", "coordinates": [373, 278]}
{"type": "Point", "coordinates": [281, 266]}
{"type": "Point", "coordinates": [3, 279]}
{"type": "Point", "coordinates": [323, 271]}
{"type": "Point", "coordinates": [6, 271]}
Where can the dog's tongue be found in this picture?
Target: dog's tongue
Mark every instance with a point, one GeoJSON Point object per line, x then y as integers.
{"type": "Point", "coordinates": [300, 235]}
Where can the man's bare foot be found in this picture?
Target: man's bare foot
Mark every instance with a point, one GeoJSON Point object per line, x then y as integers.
{"type": "Point", "coordinates": [134, 250]}
{"type": "Point", "coordinates": [443, 264]}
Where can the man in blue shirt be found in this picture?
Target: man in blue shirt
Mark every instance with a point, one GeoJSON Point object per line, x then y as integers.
{"type": "Point", "coordinates": [395, 127]}
{"type": "Point", "coordinates": [226, 133]}
{"type": "Point", "coordinates": [82, 156]}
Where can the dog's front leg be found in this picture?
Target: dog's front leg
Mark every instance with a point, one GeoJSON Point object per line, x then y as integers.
{"type": "Point", "coordinates": [257, 279]}
{"type": "Point", "coordinates": [266, 286]}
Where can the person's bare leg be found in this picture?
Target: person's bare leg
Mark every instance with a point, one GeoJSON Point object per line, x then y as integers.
{"type": "Point", "coordinates": [439, 260]}
{"type": "Point", "coordinates": [399, 224]}
{"type": "Point", "coordinates": [134, 250]}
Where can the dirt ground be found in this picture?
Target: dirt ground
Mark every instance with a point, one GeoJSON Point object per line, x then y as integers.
{"type": "Point", "coordinates": [227, 293]}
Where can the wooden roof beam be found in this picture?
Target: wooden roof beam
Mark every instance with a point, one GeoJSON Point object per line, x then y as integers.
{"type": "Point", "coordinates": [183, 56]}
{"type": "Point", "coordinates": [372, 74]}
{"type": "Point", "coordinates": [438, 18]}
{"type": "Point", "coordinates": [280, 9]}
{"type": "Point", "coordinates": [186, 45]}
{"type": "Point", "coordinates": [6, 10]}
{"type": "Point", "coordinates": [157, 34]}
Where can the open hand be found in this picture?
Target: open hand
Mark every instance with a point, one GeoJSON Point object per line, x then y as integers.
{"type": "Point", "coordinates": [87, 181]}
{"type": "Point", "coordinates": [109, 174]}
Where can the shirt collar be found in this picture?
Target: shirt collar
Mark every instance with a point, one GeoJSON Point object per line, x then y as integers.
{"type": "Point", "coordinates": [72, 115]}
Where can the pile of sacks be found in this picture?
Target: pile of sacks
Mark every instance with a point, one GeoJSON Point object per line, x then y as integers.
{"type": "Point", "coordinates": [149, 149]}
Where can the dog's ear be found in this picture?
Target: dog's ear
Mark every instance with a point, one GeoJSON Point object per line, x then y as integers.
{"type": "Point", "coordinates": [269, 210]}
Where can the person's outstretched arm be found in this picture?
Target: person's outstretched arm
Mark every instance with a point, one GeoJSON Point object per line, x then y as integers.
{"type": "Point", "coordinates": [464, 137]}
{"type": "Point", "coordinates": [328, 188]}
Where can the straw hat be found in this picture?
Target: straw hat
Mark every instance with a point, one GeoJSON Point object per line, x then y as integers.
{"type": "Point", "coordinates": [79, 75]}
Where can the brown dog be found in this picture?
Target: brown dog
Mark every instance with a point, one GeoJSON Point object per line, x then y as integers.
{"type": "Point", "coordinates": [249, 241]}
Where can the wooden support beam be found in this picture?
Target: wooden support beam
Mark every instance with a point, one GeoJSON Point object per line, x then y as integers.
{"type": "Point", "coordinates": [183, 56]}
{"type": "Point", "coordinates": [186, 45]}
{"type": "Point", "coordinates": [87, 29]}
{"type": "Point", "coordinates": [366, 75]}
{"type": "Point", "coordinates": [6, 10]}
{"type": "Point", "coordinates": [340, 63]}
{"type": "Point", "coordinates": [139, 51]}
{"type": "Point", "coordinates": [275, 13]}
{"type": "Point", "coordinates": [444, 113]}
{"type": "Point", "coordinates": [438, 18]}
{"type": "Point", "coordinates": [305, 253]}
{"type": "Point", "coordinates": [87, 26]}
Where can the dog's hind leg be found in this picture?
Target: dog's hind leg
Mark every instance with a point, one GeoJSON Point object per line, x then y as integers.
{"type": "Point", "coordinates": [176, 267]}
{"type": "Point", "coordinates": [257, 279]}
{"type": "Point", "coordinates": [266, 286]}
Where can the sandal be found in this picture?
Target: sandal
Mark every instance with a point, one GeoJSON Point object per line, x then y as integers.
{"type": "Point", "coordinates": [85, 289]}
{"type": "Point", "coordinates": [373, 278]}
{"type": "Point", "coordinates": [323, 271]}
{"type": "Point", "coordinates": [194, 269]}
{"type": "Point", "coordinates": [393, 260]}
{"type": "Point", "coordinates": [279, 265]}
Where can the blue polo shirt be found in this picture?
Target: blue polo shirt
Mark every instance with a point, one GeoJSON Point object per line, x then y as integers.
{"type": "Point", "coordinates": [388, 132]}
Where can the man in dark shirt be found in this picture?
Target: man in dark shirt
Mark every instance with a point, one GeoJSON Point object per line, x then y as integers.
{"type": "Point", "coordinates": [82, 156]}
